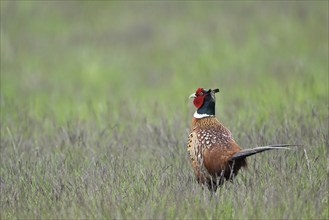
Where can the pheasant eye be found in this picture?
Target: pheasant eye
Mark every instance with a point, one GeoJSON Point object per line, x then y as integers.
{"type": "Point", "coordinates": [200, 94]}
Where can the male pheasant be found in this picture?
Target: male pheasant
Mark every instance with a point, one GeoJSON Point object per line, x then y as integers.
{"type": "Point", "coordinates": [214, 154]}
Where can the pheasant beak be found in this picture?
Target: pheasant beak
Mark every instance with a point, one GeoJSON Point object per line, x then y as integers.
{"type": "Point", "coordinates": [192, 96]}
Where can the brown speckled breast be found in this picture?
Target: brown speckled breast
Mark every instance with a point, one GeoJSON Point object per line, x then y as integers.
{"type": "Point", "coordinates": [210, 145]}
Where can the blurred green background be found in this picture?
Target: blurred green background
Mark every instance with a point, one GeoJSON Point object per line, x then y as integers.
{"type": "Point", "coordinates": [61, 57]}
{"type": "Point", "coordinates": [95, 110]}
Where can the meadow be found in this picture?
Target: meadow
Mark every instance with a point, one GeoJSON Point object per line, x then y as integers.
{"type": "Point", "coordinates": [95, 112]}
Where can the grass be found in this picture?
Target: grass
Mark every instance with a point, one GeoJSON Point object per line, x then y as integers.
{"type": "Point", "coordinates": [95, 116]}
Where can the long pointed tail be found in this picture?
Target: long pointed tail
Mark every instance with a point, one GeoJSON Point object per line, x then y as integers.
{"type": "Point", "coordinates": [248, 152]}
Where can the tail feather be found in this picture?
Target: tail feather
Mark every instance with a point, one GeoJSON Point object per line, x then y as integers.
{"type": "Point", "coordinates": [248, 152]}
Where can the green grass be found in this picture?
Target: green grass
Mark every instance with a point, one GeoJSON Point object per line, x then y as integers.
{"type": "Point", "coordinates": [95, 116]}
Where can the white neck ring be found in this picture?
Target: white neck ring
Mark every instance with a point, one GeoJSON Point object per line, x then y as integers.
{"type": "Point", "coordinates": [197, 115]}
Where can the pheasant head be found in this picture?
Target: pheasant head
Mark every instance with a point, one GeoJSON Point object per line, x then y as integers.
{"type": "Point", "coordinates": [204, 101]}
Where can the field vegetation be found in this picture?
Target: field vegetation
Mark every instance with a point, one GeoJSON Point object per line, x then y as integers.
{"type": "Point", "coordinates": [95, 111]}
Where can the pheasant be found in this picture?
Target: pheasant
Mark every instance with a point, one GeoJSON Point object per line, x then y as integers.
{"type": "Point", "coordinates": [214, 154]}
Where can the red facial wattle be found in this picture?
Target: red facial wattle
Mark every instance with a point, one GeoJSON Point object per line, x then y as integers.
{"type": "Point", "coordinates": [198, 100]}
